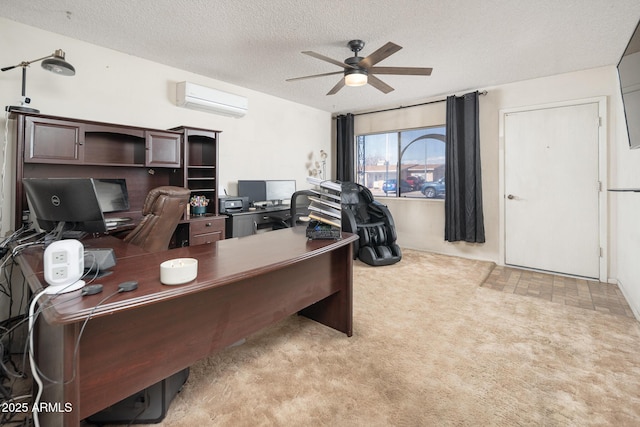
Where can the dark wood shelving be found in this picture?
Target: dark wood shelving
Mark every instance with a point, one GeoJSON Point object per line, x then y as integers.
{"type": "Point", "coordinates": [50, 146]}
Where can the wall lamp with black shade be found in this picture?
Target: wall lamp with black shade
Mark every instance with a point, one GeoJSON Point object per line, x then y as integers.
{"type": "Point", "coordinates": [54, 63]}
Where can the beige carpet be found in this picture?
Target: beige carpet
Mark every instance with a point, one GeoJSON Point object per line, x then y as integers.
{"type": "Point", "coordinates": [430, 347]}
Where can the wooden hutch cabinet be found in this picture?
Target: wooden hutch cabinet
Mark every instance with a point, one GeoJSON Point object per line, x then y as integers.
{"type": "Point", "coordinates": [200, 175]}
{"type": "Point", "coordinates": [49, 146]}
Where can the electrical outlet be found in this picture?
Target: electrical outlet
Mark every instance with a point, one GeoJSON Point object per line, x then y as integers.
{"type": "Point", "coordinates": [63, 266]}
{"type": "Point", "coordinates": [59, 273]}
{"type": "Point", "coordinates": [59, 257]}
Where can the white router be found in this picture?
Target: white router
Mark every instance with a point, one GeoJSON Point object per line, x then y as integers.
{"type": "Point", "coordinates": [64, 266]}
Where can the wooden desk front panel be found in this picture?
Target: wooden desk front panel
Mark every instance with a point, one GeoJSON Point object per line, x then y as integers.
{"type": "Point", "coordinates": [135, 339]}
{"type": "Point", "coordinates": [161, 339]}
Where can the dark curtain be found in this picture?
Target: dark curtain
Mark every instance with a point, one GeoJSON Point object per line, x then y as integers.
{"type": "Point", "coordinates": [463, 199]}
{"type": "Point", "coordinates": [345, 148]}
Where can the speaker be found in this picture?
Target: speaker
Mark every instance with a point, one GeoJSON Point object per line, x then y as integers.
{"type": "Point", "coordinates": [99, 259]}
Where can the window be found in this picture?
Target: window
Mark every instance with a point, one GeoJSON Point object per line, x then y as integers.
{"type": "Point", "coordinates": [408, 163]}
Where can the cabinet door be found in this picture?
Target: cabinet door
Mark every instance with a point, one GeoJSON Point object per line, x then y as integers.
{"type": "Point", "coordinates": [243, 225]}
{"type": "Point", "coordinates": [163, 149]}
{"type": "Point", "coordinates": [53, 141]}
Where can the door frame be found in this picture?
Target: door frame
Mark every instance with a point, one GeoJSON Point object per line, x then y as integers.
{"type": "Point", "coordinates": [602, 175]}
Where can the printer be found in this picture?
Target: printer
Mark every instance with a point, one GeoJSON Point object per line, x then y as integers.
{"type": "Point", "coordinates": [230, 204]}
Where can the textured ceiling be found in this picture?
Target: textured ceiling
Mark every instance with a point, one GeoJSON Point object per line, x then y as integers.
{"type": "Point", "coordinates": [256, 44]}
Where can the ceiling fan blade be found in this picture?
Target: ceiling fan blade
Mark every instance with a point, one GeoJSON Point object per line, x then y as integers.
{"type": "Point", "coordinates": [404, 71]}
{"type": "Point", "coordinates": [380, 54]}
{"type": "Point", "coordinates": [315, 75]}
{"type": "Point", "coordinates": [379, 84]}
{"type": "Point", "coordinates": [327, 59]}
{"type": "Point", "coordinates": [336, 88]}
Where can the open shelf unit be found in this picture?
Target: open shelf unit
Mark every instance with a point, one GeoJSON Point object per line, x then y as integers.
{"type": "Point", "coordinates": [200, 164]}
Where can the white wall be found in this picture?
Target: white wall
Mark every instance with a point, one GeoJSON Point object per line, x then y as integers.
{"type": "Point", "coordinates": [420, 223]}
{"type": "Point", "coordinates": [273, 141]}
{"type": "Point", "coordinates": [276, 138]}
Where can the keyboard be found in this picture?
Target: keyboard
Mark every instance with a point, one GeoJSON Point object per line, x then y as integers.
{"type": "Point", "coordinates": [317, 230]}
{"type": "Point", "coordinates": [124, 219]}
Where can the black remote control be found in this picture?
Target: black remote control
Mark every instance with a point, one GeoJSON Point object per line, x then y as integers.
{"type": "Point", "coordinates": [91, 289]}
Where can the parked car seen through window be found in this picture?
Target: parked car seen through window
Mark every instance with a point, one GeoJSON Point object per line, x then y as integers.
{"type": "Point", "coordinates": [414, 158]}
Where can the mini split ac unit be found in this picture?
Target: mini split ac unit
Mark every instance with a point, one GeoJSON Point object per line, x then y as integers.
{"type": "Point", "coordinates": [202, 98]}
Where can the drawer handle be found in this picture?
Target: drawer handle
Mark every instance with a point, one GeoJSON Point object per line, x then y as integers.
{"type": "Point", "coordinates": [208, 224]}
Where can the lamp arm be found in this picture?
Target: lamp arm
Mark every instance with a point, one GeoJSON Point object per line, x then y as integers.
{"type": "Point", "coordinates": [26, 63]}
{"type": "Point", "coordinates": [39, 59]}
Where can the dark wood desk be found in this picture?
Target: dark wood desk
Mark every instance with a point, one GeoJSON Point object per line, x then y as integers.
{"type": "Point", "coordinates": [136, 339]}
{"type": "Point", "coordinates": [246, 223]}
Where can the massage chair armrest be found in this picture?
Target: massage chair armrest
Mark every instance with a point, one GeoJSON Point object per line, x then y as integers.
{"type": "Point", "coordinates": [382, 212]}
{"type": "Point", "coordinates": [349, 222]}
{"type": "Point", "coordinates": [349, 225]}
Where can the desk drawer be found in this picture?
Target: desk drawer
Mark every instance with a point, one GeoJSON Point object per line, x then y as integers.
{"type": "Point", "coordinates": [202, 239]}
{"type": "Point", "coordinates": [206, 225]}
{"type": "Point", "coordinates": [262, 218]}
{"type": "Point", "coordinates": [206, 230]}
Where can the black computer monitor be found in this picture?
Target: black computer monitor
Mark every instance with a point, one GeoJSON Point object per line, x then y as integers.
{"type": "Point", "coordinates": [273, 190]}
{"type": "Point", "coordinates": [112, 194]}
{"type": "Point", "coordinates": [280, 190]}
{"type": "Point", "coordinates": [65, 204]}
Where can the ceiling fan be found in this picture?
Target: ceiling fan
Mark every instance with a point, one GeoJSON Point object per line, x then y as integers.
{"type": "Point", "coordinates": [360, 71]}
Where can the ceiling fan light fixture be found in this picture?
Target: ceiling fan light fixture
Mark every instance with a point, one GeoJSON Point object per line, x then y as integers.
{"type": "Point", "coordinates": [355, 78]}
{"type": "Point", "coordinates": [356, 70]}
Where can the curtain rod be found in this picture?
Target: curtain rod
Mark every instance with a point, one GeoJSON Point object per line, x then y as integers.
{"type": "Point", "coordinates": [484, 92]}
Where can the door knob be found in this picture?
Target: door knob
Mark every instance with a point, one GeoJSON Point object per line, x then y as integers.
{"type": "Point", "coordinates": [511, 197]}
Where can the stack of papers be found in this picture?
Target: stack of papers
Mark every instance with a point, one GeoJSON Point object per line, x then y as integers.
{"type": "Point", "coordinates": [325, 205]}
{"type": "Point", "coordinates": [323, 183]}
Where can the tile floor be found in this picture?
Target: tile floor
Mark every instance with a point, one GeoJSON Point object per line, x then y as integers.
{"type": "Point", "coordinates": [577, 292]}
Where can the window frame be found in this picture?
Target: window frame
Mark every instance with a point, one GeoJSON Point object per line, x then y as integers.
{"type": "Point", "coordinates": [360, 166]}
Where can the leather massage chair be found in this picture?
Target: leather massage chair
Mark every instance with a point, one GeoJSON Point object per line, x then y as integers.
{"type": "Point", "coordinates": [372, 222]}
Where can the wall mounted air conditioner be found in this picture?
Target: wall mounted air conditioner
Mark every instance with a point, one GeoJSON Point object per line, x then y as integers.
{"type": "Point", "coordinates": [202, 98]}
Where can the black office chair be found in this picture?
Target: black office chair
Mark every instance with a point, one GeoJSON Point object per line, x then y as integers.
{"type": "Point", "coordinates": [300, 207]}
{"type": "Point", "coordinates": [372, 222]}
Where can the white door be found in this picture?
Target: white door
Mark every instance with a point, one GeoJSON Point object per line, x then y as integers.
{"type": "Point", "coordinates": [552, 189]}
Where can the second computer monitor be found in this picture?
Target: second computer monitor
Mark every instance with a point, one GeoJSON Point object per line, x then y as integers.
{"type": "Point", "coordinates": [112, 194]}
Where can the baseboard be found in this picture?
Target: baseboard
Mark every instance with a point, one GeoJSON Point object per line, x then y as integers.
{"type": "Point", "coordinates": [634, 309]}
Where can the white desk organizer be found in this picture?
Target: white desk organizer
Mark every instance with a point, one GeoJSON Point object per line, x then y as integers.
{"type": "Point", "coordinates": [178, 271]}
